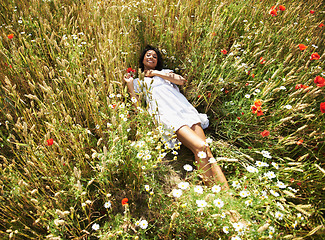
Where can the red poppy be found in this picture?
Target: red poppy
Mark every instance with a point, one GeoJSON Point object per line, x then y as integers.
{"type": "Point", "coordinates": [129, 70]}
{"type": "Point", "coordinates": [209, 94]}
{"type": "Point", "coordinates": [298, 86]}
{"type": "Point", "coordinates": [319, 81]}
{"type": "Point", "coordinates": [249, 147]}
{"type": "Point", "coordinates": [258, 103]}
{"type": "Point", "coordinates": [314, 56]}
{"type": "Point", "coordinates": [125, 201]}
{"type": "Point", "coordinates": [302, 47]}
{"type": "Point", "coordinates": [226, 91]}
{"type": "Point", "coordinates": [299, 183]}
{"type": "Point", "coordinates": [259, 113]}
{"type": "Point", "coordinates": [242, 113]}
{"type": "Point", "coordinates": [49, 142]}
{"type": "Point", "coordinates": [282, 8]}
{"type": "Point", "coordinates": [246, 84]}
{"type": "Point", "coordinates": [199, 96]}
{"type": "Point", "coordinates": [300, 142]}
{"type": "Point", "coordinates": [224, 51]}
{"type": "Point", "coordinates": [265, 133]}
{"type": "Point", "coordinates": [312, 11]}
{"type": "Point", "coordinates": [213, 34]}
{"type": "Point", "coordinates": [322, 107]}
{"type": "Point", "coordinates": [253, 75]}
{"type": "Point", "coordinates": [321, 25]}
{"type": "Point", "coordinates": [292, 180]}
{"type": "Point", "coordinates": [11, 36]}
{"type": "Point", "coordinates": [262, 60]}
{"type": "Point", "coordinates": [273, 11]}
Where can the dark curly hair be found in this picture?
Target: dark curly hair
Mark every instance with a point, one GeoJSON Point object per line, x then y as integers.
{"type": "Point", "coordinates": [160, 62]}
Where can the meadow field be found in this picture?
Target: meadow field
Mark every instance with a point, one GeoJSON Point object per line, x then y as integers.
{"type": "Point", "coordinates": [80, 161]}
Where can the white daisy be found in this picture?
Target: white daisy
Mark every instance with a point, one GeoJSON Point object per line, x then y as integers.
{"type": "Point", "coordinates": [274, 193]}
{"type": "Point", "coordinates": [188, 167]}
{"type": "Point", "coordinates": [219, 203]}
{"type": "Point", "coordinates": [202, 154]}
{"type": "Point", "coordinates": [225, 229]}
{"type": "Point", "coordinates": [281, 184]}
{"type": "Point", "coordinates": [270, 175]}
{"type": "Point", "coordinates": [209, 140]}
{"type": "Point", "coordinates": [143, 224]}
{"type": "Point", "coordinates": [147, 187]}
{"type": "Point", "coordinates": [247, 96]}
{"type": "Point", "coordinates": [249, 202]}
{"type": "Point", "coordinates": [235, 238]}
{"type": "Point", "coordinates": [177, 193]}
{"type": "Point", "coordinates": [244, 193]}
{"type": "Point", "coordinates": [198, 189]}
{"type": "Point", "coordinates": [212, 160]}
{"type": "Point", "coordinates": [183, 185]}
{"type": "Point", "coordinates": [251, 169]}
{"type": "Point", "coordinates": [216, 189]}
{"type": "Point", "coordinates": [279, 215]}
{"type": "Point", "coordinates": [107, 205]}
{"type": "Point", "coordinates": [201, 203]}
{"type": "Point", "coordinates": [235, 184]}
{"type": "Point", "coordinates": [266, 154]}
{"type": "Point", "coordinates": [95, 226]}
{"type": "Point", "coordinates": [275, 165]}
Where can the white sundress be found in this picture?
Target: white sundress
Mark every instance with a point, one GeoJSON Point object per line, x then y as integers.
{"type": "Point", "coordinates": [168, 105]}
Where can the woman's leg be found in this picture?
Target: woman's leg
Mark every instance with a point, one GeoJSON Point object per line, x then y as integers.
{"type": "Point", "coordinates": [194, 139]}
{"type": "Point", "coordinates": [215, 168]}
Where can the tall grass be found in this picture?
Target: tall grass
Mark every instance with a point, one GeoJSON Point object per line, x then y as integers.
{"type": "Point", "coordinates": [62, 64]}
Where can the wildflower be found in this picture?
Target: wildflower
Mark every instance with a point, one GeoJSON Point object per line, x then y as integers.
{"type": "Point", "coordinates": [143, 224]}
{"type": "Point", "coordinates": [244, 193]}
{"type": "Point", "coordinates": [107, 205]}
{"type": "Point", "coordinates": [125, 201]}
{"type": "Point", "coordinates": [256, 108]}
{"type": "Point", "coordinates": [281, 185]}
{"type": "Point", "coordinates": [319, 81]}
{"type": "Point", "coordinates": [49, 142]}
{"type": "Point", "coordinates": [134, 100]}
{"type": "Point", "coordinates": [282, 8]}
{"type": "Point", "coordinates": [265, 133]}
{"type": "Point", "coordinates": [112, 95]}
{"type": "Point", "coordinates": [147, 187]}
{"type": "Point", "coordinates": [95, 226]}
{"type": "Point", "coordinates": [311, 11]}
{"type": "Point", "coordinates": [177, 193]}
{"type": "Point", "coordinates": [279, 215]}
{"type": "Point", "coordinates": [202, 154]}
{"type": "Point", "coordinates": [130, 70]}
{"type": "Point", "coordinates": [300, 142]}
{"type": "Point", "coordinates": [219, 203]}
{"type": "Point", "coordinates": [249, 202]}
{"type": "Point", "coordinates": [288, 106]}
{"type": "Point", "coordinates": [298, 86]}
{"type": "Point", "coordinates": [283, 88]}
{"type": "Point", "coordinates": [188, 167]}
{"type": "Point", "coordinates": [247, 96]}
{"type": "Point", "coordinates": [251, 169]}
{"type": "Point", "coordinates": [314, 56]}
{"type": "Point", "coordinates": [239, 227]}
{"type": "Point", "coordinates": [322, 107]}
{"type": "Point", "coordinates": [302, 47]}
{"type": "Point", "coordinates": [212, 160]}
{"type": "Point", "coordinates": [270, 175]}
{"type": "Point", "coordinates": [225, 229]}
{"type": "Point", "coordinates": [209, 140]}
{"type": "Point", "coordinates": [273, 11]}
{"type": "Point", "coordinates": [321, 25]}
{"type": "Point", "coordinates": [11, 36]}
{"type": "Point", "coordinates": [235, 184]}
{"type": "Point", "coordinates": [183, 185]}
{"type": "Point", "coordinates": [294, 225]}
{"type": "Point", "coordinates": [274, 193]}
{"type": "Point", "coordinates": [201, 203]}
{"type": "Point", "coordinates": [275, 165]}
{"type": "Point", "coordinates": [224, 51]}
{"type": "Point", "coordinates": [262, 60]}
{"type": "Point", "coordinates": [198, 189]}
{"type": "Point", "coordinates": [266, 154]}
{"type": "Point", "coordinates": [300, 217]}
{"type": "Point", "coordinates": [216, 189]}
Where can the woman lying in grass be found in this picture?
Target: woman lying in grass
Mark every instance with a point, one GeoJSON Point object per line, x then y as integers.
{"type": "Point", "coordinates": [174, 112]}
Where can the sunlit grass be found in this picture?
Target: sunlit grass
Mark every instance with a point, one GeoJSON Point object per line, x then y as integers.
{"type": "Point", "coordinates": [72, 145]}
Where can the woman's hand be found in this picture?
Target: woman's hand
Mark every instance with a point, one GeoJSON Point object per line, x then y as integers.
{"type": "Point", "coordinates": [128, 78]}
{"type": "Point", "coordinates": [149, 73]}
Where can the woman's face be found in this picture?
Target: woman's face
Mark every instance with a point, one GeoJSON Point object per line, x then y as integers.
{"type": "Point", "coordinates": [150, 60]}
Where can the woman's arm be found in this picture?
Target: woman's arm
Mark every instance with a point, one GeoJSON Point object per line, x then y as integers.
{"type": "Point", "coordinates": [172, 77]}
{"type": "Point", "coordinates": [129, 81]}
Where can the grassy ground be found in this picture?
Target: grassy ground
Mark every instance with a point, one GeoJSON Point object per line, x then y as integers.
{"type": "Point", "coordinates": [73, 149]}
